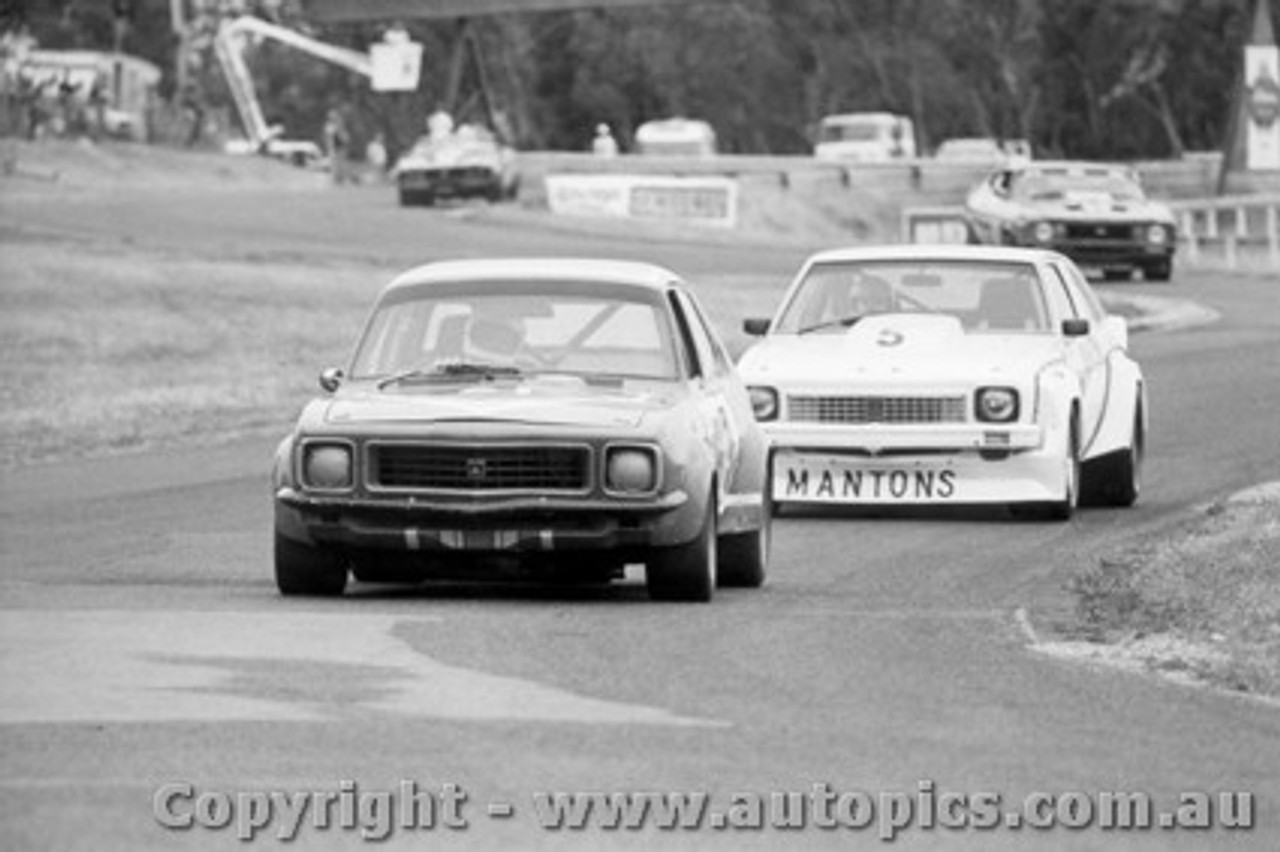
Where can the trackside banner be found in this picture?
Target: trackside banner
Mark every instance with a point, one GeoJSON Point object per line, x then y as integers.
{"type": "Point", "coordinates": [699, 200]}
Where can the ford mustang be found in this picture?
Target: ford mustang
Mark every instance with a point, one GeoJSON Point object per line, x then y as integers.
{"type": "Point", "coordinates": [1096, 214]}
{"type": "Point", "coordinates": [922, 375]}
{"type": "Point", "coordinates": [540, 419]}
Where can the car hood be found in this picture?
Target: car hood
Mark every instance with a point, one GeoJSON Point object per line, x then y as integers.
{"type": "Point", "coordinates": [1092, 206]}
{"type": "Point", "coordinates": [566, 402]}
{"type": "Point", "coordinates": [452, 154]}
{"type": "Point", "coordinates": [896, 349]}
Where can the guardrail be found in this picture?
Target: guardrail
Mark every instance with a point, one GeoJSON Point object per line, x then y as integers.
{"type": "Point", "coordinates": [1237, 231]}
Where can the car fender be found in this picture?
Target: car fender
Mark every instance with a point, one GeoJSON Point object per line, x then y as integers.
{"type": "Point", "coordinates": [1058, 391]}
{"type": "Point", "coordinates": [1124, 388]}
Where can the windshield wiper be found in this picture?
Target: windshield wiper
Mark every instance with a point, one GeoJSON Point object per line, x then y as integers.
{"type": "Point", "coordinates": [847, 322]}
{"type": "Point", "coordinates": [446, 370]}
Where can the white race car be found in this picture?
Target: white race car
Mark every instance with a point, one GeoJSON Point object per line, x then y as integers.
{"type": "Point", "coordinates": [919, 375]}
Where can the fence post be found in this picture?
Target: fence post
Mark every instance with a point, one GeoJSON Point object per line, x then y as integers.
{"type": "Point", "coordinates": [1189, 233]}
{"type": "Point", "coordinates": [1273, 237]}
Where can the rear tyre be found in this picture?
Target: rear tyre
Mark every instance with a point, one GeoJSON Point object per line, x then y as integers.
{"type": "Point", "coordinates": [1123, 274]}
{"type": "Point", "coordinates": [686, 572]}
{"type": "Point", "coordinates": [743, 558]}
{"type": "Point", "coordinates": [305, 570]}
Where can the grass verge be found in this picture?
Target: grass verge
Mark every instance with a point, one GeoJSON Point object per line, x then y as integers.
{"type": "Point", "coordinates": [1202, 603]}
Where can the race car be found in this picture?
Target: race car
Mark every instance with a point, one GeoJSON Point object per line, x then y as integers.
{"type": "Point", "coordinates": [949, 374]}
{"type": "Point", "coordinates": [1095, 213]}
{"type": "Point", "coordinates": [464, 163]}
{"type": "Point", "coordinates": [542, 419]}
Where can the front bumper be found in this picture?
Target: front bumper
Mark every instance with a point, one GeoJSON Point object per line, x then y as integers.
{"type": "Point", "coordinates": [451, 182]}
{"type": "Point", "coordinates": [923, 465]}
{"type": "Point", "coordinates": [506, 526]}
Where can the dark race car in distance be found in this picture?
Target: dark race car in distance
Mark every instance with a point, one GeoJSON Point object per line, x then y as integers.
{"type": "Point", "coordinates": [1095, 213]}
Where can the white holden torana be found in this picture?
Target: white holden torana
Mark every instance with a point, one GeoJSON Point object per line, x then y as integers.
{"type": "Point", "coordinates": [947, 375]}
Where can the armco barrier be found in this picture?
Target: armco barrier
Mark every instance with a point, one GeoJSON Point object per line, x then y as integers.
{"type": "Point", "coordinates": [1236, 232]}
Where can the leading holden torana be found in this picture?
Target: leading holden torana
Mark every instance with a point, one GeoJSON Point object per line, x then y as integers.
{"type": "Point", "coordinates": [553, 419]}
{"type": "Point", "coordinates": [920, 375]}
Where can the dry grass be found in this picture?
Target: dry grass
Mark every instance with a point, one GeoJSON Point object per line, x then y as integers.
{"type": "Point", "coordinates": [1213, 585]}
{"type": "Point", "coordinates": [104, 350]}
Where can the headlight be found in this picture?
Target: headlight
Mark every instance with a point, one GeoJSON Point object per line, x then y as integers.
{"type": "Point", "coordinates": [631, 470]}
{"type": "Point", "coordinates": [1157, 234]}
{"type": "Point", "coordinates": [764, 403]}
{"type": "Point", "coordinates": [1043, 232]}
{"type": "Point", "coordinates": [996, 405]}
{"type": "Point", "coordinates": [326, 466]}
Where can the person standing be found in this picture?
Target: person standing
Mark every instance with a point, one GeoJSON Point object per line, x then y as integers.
{"type": "Point", "coordinates": [604, 145]}
{"type": "Point", "coordinates": [337, 143]}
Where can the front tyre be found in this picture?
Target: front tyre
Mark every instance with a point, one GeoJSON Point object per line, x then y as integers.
{"type": "Point", "coordinates": [305, 570]}
{"type": "Point", "coordinates": [1116, 478]}
{"type": "Point", "coordinates": [1161, 270]}
{"type": "Point", "coordinates": [687, 572]}
{"type": "Point", "coordinates": [743, 558]}
{"type": "Point", "coordinates": [1063, 509]}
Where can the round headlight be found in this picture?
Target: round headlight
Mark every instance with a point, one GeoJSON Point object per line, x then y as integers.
{"type": "Point", "coordinates": [327, 466]}
{"type": "Point", "coordinates": [1157, 234]}
{"type": "Point", "coordinates": [997, 405]}
{"type": "Point", "coordinates": [764, 403]}
{"type": "Point", "coordinates": [1043, 232]}
{"type": "Point", "coordinates": [631, 471]}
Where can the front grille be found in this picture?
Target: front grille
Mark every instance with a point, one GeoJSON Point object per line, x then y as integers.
{"type": "Point", "coordinates": [479, 468]}
{"type": "Point", "coordinates": [877, 409]}
{"type": "Point", "coordinates": [1099, 231]}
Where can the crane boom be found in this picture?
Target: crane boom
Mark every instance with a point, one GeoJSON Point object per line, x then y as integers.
{"type": "Point", "coordinates": [229, 47]}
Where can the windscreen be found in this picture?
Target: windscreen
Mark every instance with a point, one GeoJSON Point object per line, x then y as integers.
{"type": "Point", "coordinates": [576, 328]}
{"type": "Point", "coordinates": [983, 296]}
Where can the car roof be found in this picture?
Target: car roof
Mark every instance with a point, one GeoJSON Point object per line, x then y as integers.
{"type": "Point", "coordinates": [533, 270]}
{"type": "Point", "coordinates": [936, 252]}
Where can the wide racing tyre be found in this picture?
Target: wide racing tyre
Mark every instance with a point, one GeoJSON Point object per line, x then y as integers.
{"type": "Point", "coordinates": [687, 572]}
{"type": "Point", "coordinates": [743, 558]}
{"type": "Point", "coordinates": [305, 570]}
{"type": "Point", "coordinates": [1116, 478]}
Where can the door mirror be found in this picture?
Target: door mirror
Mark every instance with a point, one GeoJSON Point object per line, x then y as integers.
{"type": "Point", "coordinates": [1075, 327]}
{"type": "Point", "coordinates": [331, 378]}
{"type": "Point", "coordinates": [756, 327]}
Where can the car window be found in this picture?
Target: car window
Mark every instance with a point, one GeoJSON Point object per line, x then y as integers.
{"type": "Point", "coordinates": [1059, 294]}
{"type": "Point", "coordinates": [721, 363]}
{"type": "Point", "coordinates": [1084, 293]}
{"type": "Point", "coordinates": [540, 327]}
{"type": "Point", "coordinates": [698, 355]}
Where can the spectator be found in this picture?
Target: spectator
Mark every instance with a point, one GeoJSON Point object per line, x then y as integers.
{"type": "Point", "coordinates": [337, 144]}
{"type": "Point", "coordinates": [604, 145]}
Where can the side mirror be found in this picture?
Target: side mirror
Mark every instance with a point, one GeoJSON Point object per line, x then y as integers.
{"type": "Point", "coordinates": [331, 379]}
{"type": "Point", "coordinates": [756, 327]}
{"type": "Point", "coordinates": [1075, 327]}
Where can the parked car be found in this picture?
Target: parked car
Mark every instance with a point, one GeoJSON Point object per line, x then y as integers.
{"type": "Point", "coordinates": [1095, 213]}
{"type": "Point", "coordinates": [982, 151]}
{"type": "Point", "coordinates": [948, 374]}
{"type": "Point", "coordinates": [676, 137]}
{"type": "Point", "coordinates": [549, 419]}
{"type": "Point", "coordinates": [465, 163]}
{"type": "Point", "coordinates": [865, 137]}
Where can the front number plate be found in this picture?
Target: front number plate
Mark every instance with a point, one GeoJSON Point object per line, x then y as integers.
{"type": "Point", "coordinates": [834, 479]}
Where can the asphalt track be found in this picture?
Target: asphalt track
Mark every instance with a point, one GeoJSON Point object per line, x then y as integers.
{"type": "Point", "coordinates": [143, 643]}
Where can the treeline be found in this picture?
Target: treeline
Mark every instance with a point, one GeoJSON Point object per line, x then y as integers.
{"type": "Point", "coordinates": [1088, 78]}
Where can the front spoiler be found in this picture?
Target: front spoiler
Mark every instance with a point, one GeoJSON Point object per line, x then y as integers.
{"type": "Point", "coordinates": [508, 525]}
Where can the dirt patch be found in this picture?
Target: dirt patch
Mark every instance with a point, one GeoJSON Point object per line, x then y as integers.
{"type": "Point", "coordinates": [1201, 604]}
